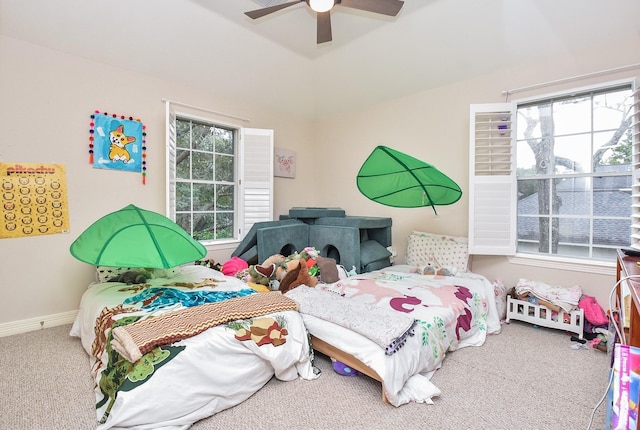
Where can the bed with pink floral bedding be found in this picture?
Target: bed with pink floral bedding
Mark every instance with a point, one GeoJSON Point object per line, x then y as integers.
{"type": "Point", "coordinates": [439, 314]}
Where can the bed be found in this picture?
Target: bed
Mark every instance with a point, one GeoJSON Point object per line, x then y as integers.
{"type": "Point", "coordinates": [185, 345]}
{"type": "Point", "coordinates": [397, 324]}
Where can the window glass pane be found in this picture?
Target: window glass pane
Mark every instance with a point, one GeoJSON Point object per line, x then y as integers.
{"type": "Point", "coordinates": [530, 193]}
{"type": "Point", "coordinates": [203, 166]}
{"type": "Point", "coordinates": [528, 122]}
{"type": "Point", "coordinates": [183, 196]}
{"type": "Point", "coordinates": [572, 196]}
{"type": "Point", "coordinates": [202, 137]}
{"type": "Point", "coordinates": [529, 228]}
{"type": "Point", "coordinates": [224, 141]}
{"type": "Point", "coordinates": [224, 168]}
{"type": "Point", "coordinates": [224, 226]}
{"type": "Point", "coordinates": [612, 196]}
{"type": "Point", "coordinates": [224, 200]}
{"type": "Point", "coordinates": [572, 116]}
{"type": "Point", "coordinates": [183, 134]}
{"type": "Point", "coordinates": [203, 226]}
{"type": "Point", "coordinates": [183, 164]}
{"type": "Point", "coordinates": [526, 160]}
{"type": "Point", "coordinates": [572, 154]}
{"type": "Point", "coordinates": [574, 230]}
{"type": "Point", "coordinates": [203, 197]}
{"type": "Point", "coordinates": [613, 232]}
{"type": "Point", "coordinates": [184, 221]}
{"type": "Point", "coordinates": [610, 108]}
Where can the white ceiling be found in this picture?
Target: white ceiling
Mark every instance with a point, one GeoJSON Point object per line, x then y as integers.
{"type": "Point", "coordinates": [275, 62]}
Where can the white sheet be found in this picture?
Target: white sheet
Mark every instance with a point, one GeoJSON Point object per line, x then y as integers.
{"type": "Point", "coordinates": [213, 372]}
{"type": "Point", "coordinates": [430, 300]}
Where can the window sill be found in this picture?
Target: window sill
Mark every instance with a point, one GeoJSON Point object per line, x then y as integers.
{"type": "Point", "coordinates": [221, 245]}
{"type": "Point", "coordinates": [595, 267]}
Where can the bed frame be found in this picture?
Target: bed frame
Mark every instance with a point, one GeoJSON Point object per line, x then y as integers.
{"type": "Point", "coordinates": [332, 352]}
{"type": "Point", "coordinates": [543, 316]}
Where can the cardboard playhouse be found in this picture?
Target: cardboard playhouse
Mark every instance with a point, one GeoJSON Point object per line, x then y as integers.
{"type": "Point", "coordinates": [353, 241]}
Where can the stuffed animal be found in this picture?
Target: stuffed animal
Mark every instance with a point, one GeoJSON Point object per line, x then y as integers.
{"type": "Point", "coordinates": [297, 276]}
{"type": "Point", "coordinates": [233, 266]}
{"type": "Point", "coordinates": [327, 269]}
{"type": "Point", "coordinates": [132, 277]}
{"type": "Point", "coordinates": [265, 273]}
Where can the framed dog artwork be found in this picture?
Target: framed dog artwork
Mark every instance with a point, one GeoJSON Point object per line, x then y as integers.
{"type": "Point", "coordinates": [117, 142]}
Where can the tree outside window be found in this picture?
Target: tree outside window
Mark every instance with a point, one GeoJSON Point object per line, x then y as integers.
{"type": "Point", "coordinates": [205, 179]}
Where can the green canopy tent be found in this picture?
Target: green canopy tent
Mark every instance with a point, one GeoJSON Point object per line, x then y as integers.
{"type": "Point", "coordinates": [395, 179]}
{"type": "Point", "coordinates": [134, 237]}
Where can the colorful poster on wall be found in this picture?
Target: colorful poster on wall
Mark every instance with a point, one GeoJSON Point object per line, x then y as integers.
{"type": "Point", "coordinates": [117, 142]}
{"type": "Point", "coordinates": [34, 199]}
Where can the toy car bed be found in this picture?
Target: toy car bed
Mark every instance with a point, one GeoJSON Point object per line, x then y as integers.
{"type": "Point", "coordinates": [177, 349]}
{"type": "Point", "coordinates": [397, 324]}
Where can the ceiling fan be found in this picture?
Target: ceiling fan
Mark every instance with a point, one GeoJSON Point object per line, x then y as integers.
{"type": "Point", "coordinates": [323, 11]}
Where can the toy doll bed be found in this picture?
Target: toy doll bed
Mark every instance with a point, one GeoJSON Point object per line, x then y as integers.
{"type": "Point", "coordinates": [397, 324]}
{"type": "Point", "coordinates": [185, 346]}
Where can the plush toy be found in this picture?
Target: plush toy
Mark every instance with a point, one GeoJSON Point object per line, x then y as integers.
{"type": "Point", "coordinates": [233, 266]}
{"type": "Point", "coordinates": [297, 276]}
{"type": "Point", "coordinates": [210, 263]}
{"type": "Point", "coordinates": [327, 269]}
{"type": "Point", "coordinates": [132, 277]}
{"type": "Point", "coordinates": [265, 273]}
{"type": "Point", "coordinates": [593, 312]}
{"type": "Point", "coordinates": [343, 369]}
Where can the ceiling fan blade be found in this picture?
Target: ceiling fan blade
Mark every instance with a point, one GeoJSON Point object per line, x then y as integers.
{"type": "Point", "coordinates": [259, 13]}
{"type": "Point", "coordinates": [324, 27]}
{"type": "Point", "coordinates": [385, 7]}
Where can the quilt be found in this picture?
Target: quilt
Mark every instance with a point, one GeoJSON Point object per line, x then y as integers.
{"type": "Point", "coordinates": [220, 342]}
{"type": "Point", "coordinates": [450, 312]}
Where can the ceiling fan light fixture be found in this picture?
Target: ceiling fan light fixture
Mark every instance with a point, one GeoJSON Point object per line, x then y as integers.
{"type": "Point", "coordinates": [321, 5]}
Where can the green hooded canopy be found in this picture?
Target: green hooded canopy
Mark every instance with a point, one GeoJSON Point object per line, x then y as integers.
{"type": "Point", "coordinates": [395, 179]}
{"type": "Point", "coordinates": [134, 237]}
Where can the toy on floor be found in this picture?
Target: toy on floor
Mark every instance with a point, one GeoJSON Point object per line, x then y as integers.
{"type": "Point", "coordinates": [343, 369]}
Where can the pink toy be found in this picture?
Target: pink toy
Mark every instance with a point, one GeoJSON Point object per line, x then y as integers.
{"type": "Point", "coordinates": [233, 266]}
{"type": "Point", "coordinates": [593, 312]}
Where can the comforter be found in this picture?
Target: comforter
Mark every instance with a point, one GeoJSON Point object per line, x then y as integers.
{"type": "Point", "coordinates": [193, 369]}
{"type": "Point", "coordinates": [449, 313]}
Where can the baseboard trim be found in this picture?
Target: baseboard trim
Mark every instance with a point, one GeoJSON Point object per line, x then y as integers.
{"type": "Point", "coordinates": [38, 323]}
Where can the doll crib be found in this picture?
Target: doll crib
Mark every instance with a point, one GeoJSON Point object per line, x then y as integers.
{"type": "Point", "coordinates": [541, 315]}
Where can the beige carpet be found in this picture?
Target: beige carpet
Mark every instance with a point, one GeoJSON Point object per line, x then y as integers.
{"type": "Point", "coordinates": [525, 378]}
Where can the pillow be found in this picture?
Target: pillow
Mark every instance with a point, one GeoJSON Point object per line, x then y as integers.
{"type": "Point", "coordinates": [439, 250]}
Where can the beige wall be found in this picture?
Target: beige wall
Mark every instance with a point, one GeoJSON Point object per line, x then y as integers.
{"type": "Point", "coordinates": [46, 98]}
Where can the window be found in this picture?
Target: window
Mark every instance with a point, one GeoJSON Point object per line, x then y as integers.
{"type": "Point", "coordinates": [561, 171]}
{"type": "Point", "coordinates": [205, 189]}
{"type": "Point", "coordinates": [219, 177]}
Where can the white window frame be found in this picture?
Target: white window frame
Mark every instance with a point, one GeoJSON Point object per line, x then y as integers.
{"type": "Point", "coordinates": [493, 182]}
{"type": "Point", "coordinates": [253, 197]}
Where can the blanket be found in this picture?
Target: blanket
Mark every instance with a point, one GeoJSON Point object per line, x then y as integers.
{"type": "Point", "coordinates": [134, 340]}
{"type": "Point", "coordinates": [389, 329]}
{"type": "Point", "coordinates": [566, 298]}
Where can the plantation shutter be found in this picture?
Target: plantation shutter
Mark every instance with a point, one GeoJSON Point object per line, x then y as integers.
{"type": "Point", "coordinates": [635, 189]}
{"type": "Point", "coordinates": [171, 162]}
{"type": "Point", "coordinates": [256, 178]}
{"type": "Point", "coordinates": [492, 177]}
